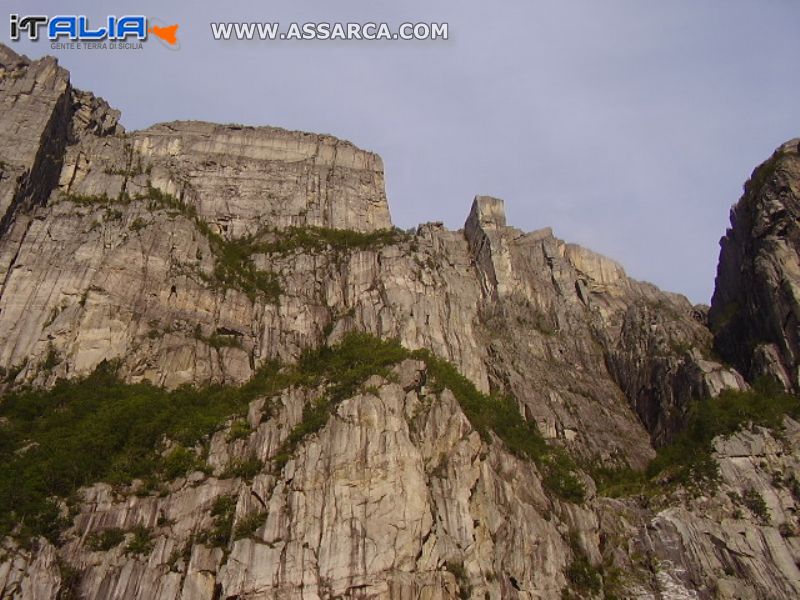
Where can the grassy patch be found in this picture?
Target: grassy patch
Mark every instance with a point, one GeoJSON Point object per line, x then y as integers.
{"type": "Point", "coordinates": [10, 374]}
{"type": "Point", "coordinates": [240, 429]}
{"type": "Point", "coordinates": [755, 503]}
{"type": "Point", "coordinates": [51, 360]}
{"type": "Point", "coordinates": [621, 482]}
{"type": "Point", "coordinates": [233, 262]}
{"type": "Point", "coordinates": [70, 581]}
{"type": "Point", "coordinates": [132, 171]}
{"type": "Point", "coordinates": [180, 557]}
{"type": "Point", "coordinates": [315, 417]}
{"type": "Point", "coordinates": [88, 200]}
{"type": "Point", "coordinates": [342, 369]}
{"type": "Point", "coordinates": [141, 543]}
{"type": "Point", "coordinates": [322, 239]}
{"type": "Point", "coordinates": [234, 267]}
{"type": "Point", "coordinates": [100, 429]}
{"type": "Point", "coordinates": [501, 416]}
{"type": "Point", "coordinates": [103, 541]}
{"type": "Point", "coordinates": [688, 460]}
{"type": "Point", "coordinates": [248, 525]}
{"type": "Point", "coordinates": [179, 461]}
{"type": "Point", "coordinates": [584, 579]}
{"type": "Point", "coordinates": [222, 513]}
{"type": "Point", "coordinates": [246, 468]}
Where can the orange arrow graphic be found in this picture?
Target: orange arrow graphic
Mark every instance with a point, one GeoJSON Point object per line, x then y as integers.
{"type": "Point", "coordinates": [166, 33]}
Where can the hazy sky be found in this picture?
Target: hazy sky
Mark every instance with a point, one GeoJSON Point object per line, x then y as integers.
{"type": "Point", "coordinates": [628, 126]}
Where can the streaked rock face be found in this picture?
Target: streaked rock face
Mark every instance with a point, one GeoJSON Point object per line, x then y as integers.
{"type": "Point", "coordinates": [243, 178]}
{"type": "Point", "coordinates": [397, 496]}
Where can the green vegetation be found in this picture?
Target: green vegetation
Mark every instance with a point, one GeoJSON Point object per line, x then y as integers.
{"type": "Point", "coordinates": [315, 416]}
{"type": "Point", "coordinates": [10, 374]}
{"type": "Point", "coordinates": [179, 461]}
{"type": "Point", "coordinates": [248, 525]}
{"type": "Point", "coordinates": [322, 239]}
{"type": "Point", "coordinates": [756, 504]}
{"type": "Point", "coordinates": [343, 368]}
{"type": "Point", "coordinates": [501, 416]}
{"type": "Point", "coordinates": [141, 542]}
{"type": "Point", "coordinates": [585, 580]}
{"type": "Point", "coordinates": [680, 347]}
{"type": "Point", "coordinates": [54, 441]}
{"type": "Point", "coordinates": [218, 340]}
{"type": "Point", "coordinates": [246, 468]}
{"type": "Point", "coordinates": [181, 555]}
{"type": "Point", "coordinates": [234, 267]}
{"type": "Point", "coordinates": [688, 459]}
{"type": "Point", "coordinates": [462, 580]}
{"type": "Point", "coordinates": [70, 581]}
{"type": "Point", "coordinates": [99, 429]}
{"type": "Point", "coordinates": [222, 513]}
{"type": "Point", "coordinates": [132, 171]}
{"type": "Point", "coordinates": [89, 200]}
{"type": "Point", "coordinates": [105, 540]}
{"type": "Point", "coordinates": [621, 482]}
{"type": "Point", "coordinates": [51, 359]}
{"type": "Point", "coordinates": [793, 485]}
{"type": "Point", "coordinates": [240, 429]}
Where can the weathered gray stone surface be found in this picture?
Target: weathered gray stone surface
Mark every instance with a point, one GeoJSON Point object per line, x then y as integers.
{"type": "Point", "coordinates": [398, 485]}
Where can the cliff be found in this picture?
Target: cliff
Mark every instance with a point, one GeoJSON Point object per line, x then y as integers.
{"type": "Point", "coordinates": [756, 304]}
{"type": "Point", "coordinates": [260, 266]}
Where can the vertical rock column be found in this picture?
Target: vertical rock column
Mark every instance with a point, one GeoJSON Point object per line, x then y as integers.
{"type": "Point", "coordinates": [491, 253]}
{"type": "Point", "coordinates": [35, 112]}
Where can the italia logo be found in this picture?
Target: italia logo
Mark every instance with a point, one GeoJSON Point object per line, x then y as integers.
{"type": "Point", "coordinates": [76, 28]}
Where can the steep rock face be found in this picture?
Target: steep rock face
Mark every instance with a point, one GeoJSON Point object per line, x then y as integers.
{"type": "Point", "coordinates": [245, 178]}
{"type": "Point", "coordinates": [35, 102]}
{"type": "Point", "coordinates": [138, 256]}
{"type": "Point", "coordinates": [738, 542]}
{"type": "Point", "coordinates": [332, 522]}
{"type": "Point", "coordinates": [193, 253]}
{"type": "Point", "coordinates": [571, 321]}
{"type": "Point", "coordinates": [40, 113]}
{"type": "Point", "coordinates": [399, 497]}
{"type": "Point", "coordinates": [755, 311]}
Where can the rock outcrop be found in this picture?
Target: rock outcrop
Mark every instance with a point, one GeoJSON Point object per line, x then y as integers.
{"type": "Point", "coordinates": [193, 253]}
{"type": "Point", "coordinates": [755, 311]}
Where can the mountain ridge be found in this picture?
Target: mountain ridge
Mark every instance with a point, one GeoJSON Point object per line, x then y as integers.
{"type": "Point", "coordinates": [200, 254]}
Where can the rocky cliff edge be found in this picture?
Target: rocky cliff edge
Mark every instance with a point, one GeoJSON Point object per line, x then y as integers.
{"type": "Point", "coordinates": [193, 253]}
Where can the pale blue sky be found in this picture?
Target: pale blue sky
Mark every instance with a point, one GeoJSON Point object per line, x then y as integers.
{"type": "Point", "coordinates": [628, 126]}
